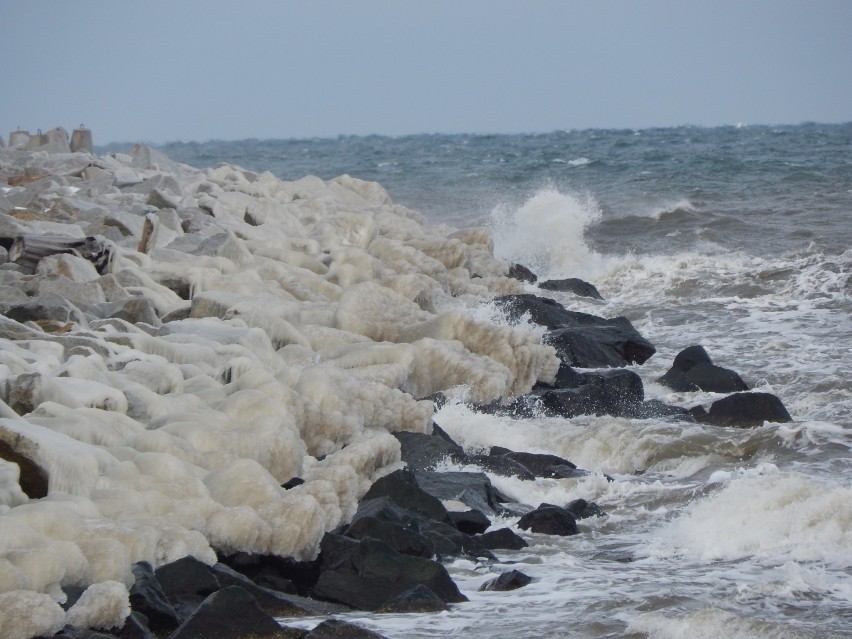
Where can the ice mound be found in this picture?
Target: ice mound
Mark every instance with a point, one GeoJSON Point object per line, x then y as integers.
{"type": "Point", "coordinates": [218, 333]}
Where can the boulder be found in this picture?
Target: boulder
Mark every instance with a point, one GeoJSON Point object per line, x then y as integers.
{"type": "Point", "coordinates": [423, 452]}
{"type": "Point", "coordinates": [136, 627]}
{"type": "Point", "coordinates": [521, 273]}
{"type": "Point", "coordinates": [472, 489]}
{"type": "Point", "coordinates": [338, 629]}
{"type": "Point", "coordinates": [186, 583]}
{"type": "Point", "coordinates": [418, 599]}
{"type": "Point", "coordinates": [582, 509]}
{"type": "Point", "coordinates": [745, 410]}
{"type": "Point", "coordinates": [147, 597]}
{"type": "Point", "coordinates": [271, 571]}
{"type": "Point", "coordinates": [502, 539]}
{"type": "Point", "coordinates": [499, 465]}
{"type": "Point", "coordinates": [230, 613]}
{"type": "Point", "coordinates": [403, 487]}
{"type": "Point", "coordinates": [368, 573]}
{"type": "Point", "coordinates": [510, 580]}
{"type": "Point", "coordinates": [549, 520]}
{"type": "Point", "coordinates": [470, 522]}
{"type": "Point", "coordinates": [541, 465]}
{"type": "Point", "coordinates": [693, 370]}
{"type": "Point", "coordinates": [572, 285]}
{"type": "Point", "coordinates": [383, 519]}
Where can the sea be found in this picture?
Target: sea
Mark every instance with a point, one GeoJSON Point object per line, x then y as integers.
{"type": "Point", "coordinates": [737, 238]}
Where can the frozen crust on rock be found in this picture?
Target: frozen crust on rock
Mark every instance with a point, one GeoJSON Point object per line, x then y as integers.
{"type": "Point", "coordinates": [243, 329]}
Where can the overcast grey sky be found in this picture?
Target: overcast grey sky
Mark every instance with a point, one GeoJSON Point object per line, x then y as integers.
{"type": "Point", "coordinates": [160, 71]}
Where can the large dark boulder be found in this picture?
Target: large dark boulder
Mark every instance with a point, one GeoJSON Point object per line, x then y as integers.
{"type": "Point", "coordinates": [541, 465]}
{"type": "Point", "coordinates": [230, 613]}
{"type": "Point", "coordinates": [381, 518]}
{"type": "Point", "coordinates": [186, 583]}
{"type": "Point", "coordinates": [608, 392]}
{"type": "Point", "coordinates": [693, 370]}
{"type": "Point", "coordinates": [147, 597]}
{"type": "Point", "coordinates": [502, 539]}
{"type": "Point", "coordinates": [271, 571]}
{"type": "Point", "coordinates": [472, 489]}
{"type": "Point", "coordinates": [510, 580]}
{"type": "Point", "coordinates": [470, 522]}
{"type": "Point", "coordinates": [403, 488]}
{"type": "Point", "coordinates": [423, 452]}
{"type": "Point", "coordinates": [368, 573]}
{"type": "Point", "coordinates": [746, 410]}
{"type": "Point", "coordinates": [572, 285]}
{"type": "Point", "coordinates": [135, 627]}
{"type": "Point", "coordinates": [549, 520]}
{"type": "Point", "coordinates": [274, 602]}
{"type": "Point", "coordinates": [581, 339]}
{"type": "Point", "coordinates": [504, 466]}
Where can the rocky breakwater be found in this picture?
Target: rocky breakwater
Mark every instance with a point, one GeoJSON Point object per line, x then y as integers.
{"type": "Point", "coordinates": [177, 345]}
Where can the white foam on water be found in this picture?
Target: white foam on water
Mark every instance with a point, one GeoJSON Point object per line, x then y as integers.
{"type": "Point", "coordinates": [711, 623]}
{"type": "Point", "coordinates": [768, 515]}
{"type": "Point", "coordinates": [547, 234]}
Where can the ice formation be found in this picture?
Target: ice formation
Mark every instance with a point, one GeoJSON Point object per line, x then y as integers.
{"type": "Point", "coordinates": [247, 330]}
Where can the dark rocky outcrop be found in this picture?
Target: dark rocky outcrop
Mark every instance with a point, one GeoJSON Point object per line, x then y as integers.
{"type": "Point", "coordinates": [230, 613]}
{"type": "Point", "coordinates": [693, 370]}
{"type": "Point", "coordinates": [368, 573]}
{"type": "Point", "coordinates": [572, 285]}
{"type": "Point", "coordinates": [550, 520]}
{"type": "Point", "coordinates": [403, 488]}
{"type": "Point", "coordinates": [470, 522]}
{"type": "Point", "coordinates": [744, 410]}
{"type": "Point", "coordinates": [581, 339]}
{"type": "Point", "coordinates": [510, 580]}
{"type": "Point", "coordinates": [423, 452]}
{"type": "Point", "coordinates": [472, 489]}
{"type": "Point", "coordinates": [186, 583]}
{"type": "Point", "coordinates": [502, 539]}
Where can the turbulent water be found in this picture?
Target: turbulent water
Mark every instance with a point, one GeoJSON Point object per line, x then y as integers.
{"type": "Point", "coordinates": [735, 238]}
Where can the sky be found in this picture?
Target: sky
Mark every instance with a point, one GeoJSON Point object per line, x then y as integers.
{"type": "Point", "coordinates": [188, 70]}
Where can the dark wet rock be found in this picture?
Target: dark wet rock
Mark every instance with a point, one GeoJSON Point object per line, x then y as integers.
{"type": "Point", "coordinates": [604, 343]}
{"type": "Point", "coordinates": [582, 509]}
{"type": "Point", "coordinates": [412, 530]}
{"type": "Point", "coordinates": [424, 452]}
{"type": "Point", "coordinates": [502, 539]}
{"type": "Point", "coordinates": [136, 627]}
{"type": "Point", "coordinates": [522, 273]}
{"type": "Point", "coordinates": [418, 599]}
{"type": "Point", "coordinates": [693, 370]}
{"type": "Point", "coordinates": [510, 580]}
{"type": "Point", "coordinates": [745, 410]}
{"type": "Point", "coordinates": [500, 465]}
{"type": "Point", "coordinates": [338, 629]}
{"type": "Point", "coordinates": [272, 571]}
{"type": "Point", "coordinates": [566, 377]}
{"type": "Point", "coordinates": [403, 488]}
{"type": "Point", "coordinates": [541, 465]}
{"type": "Point", "coordinates": [572, 285]}
{"type": "Point", "coordinates": [655, 409]}
{"type": "Point", "coordinates": [186, 583]}
{"type": "Point", "coordinates": [277, 603]}
{"type": "Point", "coordinates": [148, 598]}
{"type": "Point", "coordinates": [581, 339]}
{"type": "Point", "coordinates": [368, 573]}
{"type": "Point", "coordinates": [383, 519]}
{"type": "Point", "coordinates": [230, 613]}
{"type": "Point", "coordinates": [549, 520]}
{"type": "Point", "coordinates": [470, 522]}
{"type": "Point", "coordinates": [472, 489]}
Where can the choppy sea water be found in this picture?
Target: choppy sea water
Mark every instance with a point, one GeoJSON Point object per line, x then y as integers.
{"type": "Point", "coordinates": [735, 238]}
